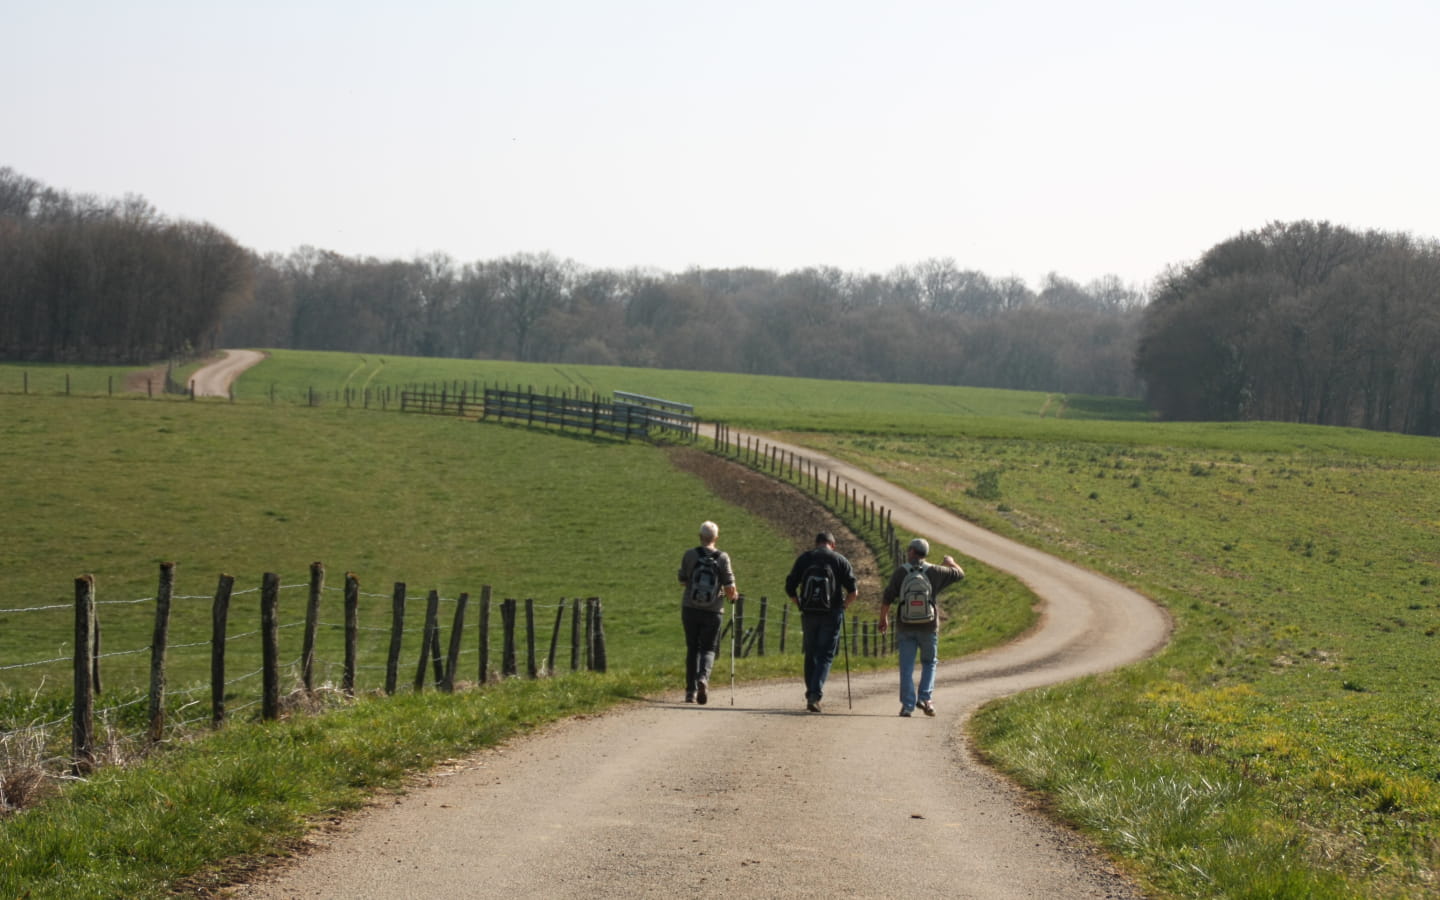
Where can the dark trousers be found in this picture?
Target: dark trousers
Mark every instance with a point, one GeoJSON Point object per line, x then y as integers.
{"type": "Point", "coordinates": [702, 642]}
{"type": "Point", "coordinates": [820, 633]}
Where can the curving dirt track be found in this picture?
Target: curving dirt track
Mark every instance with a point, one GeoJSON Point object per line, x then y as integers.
{"type": "Point", "coordinates": [214, 380]}
{"type": "Point", "coordinates": [751, 796]}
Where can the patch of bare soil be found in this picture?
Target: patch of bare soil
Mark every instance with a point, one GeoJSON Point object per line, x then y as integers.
{"type": "Point", "coordinates": [151, 380]}
{"type": "Point", "coordinates": [793, 512]}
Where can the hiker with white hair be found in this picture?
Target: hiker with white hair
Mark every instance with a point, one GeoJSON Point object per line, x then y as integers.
{"type": "Point", "coordinates": [708, 578]}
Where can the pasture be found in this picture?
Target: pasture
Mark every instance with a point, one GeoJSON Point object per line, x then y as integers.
{"type": "Point", "coordinates": [1284, 745]}
{"type": "Point", "coordinates": [1290, 728]}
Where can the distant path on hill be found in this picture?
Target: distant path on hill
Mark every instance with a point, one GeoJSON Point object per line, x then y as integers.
{"type": "Point", "coordinates": [214, 380]}
{"type": "Point", "coordinates": [751, 796]}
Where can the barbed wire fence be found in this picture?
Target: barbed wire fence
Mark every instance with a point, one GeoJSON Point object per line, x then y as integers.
{"type": "Point", "coordinates": [136, 716]}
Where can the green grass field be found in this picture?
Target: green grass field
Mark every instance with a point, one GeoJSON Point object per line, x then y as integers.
{"type": "Point", "coordinates": [1284, 745]}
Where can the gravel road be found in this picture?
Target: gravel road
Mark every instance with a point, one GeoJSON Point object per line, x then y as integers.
{"type": "Point", "coordinates": [215, 379]}
{"type": "Point", "coordinates": [751, 796]}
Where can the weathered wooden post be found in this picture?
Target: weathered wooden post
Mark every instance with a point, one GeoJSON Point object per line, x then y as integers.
{"type": "Point", "coordinates": [159, 642]}
{"type": "Point", "coordinates": [484, 673]}
{"type": "Point", "coordinates": [602, 657]}
{"type": "Point", "coordinates": [427, 637]}
{"type": "Point", "coordinates": [508, 667]}
{"type": "Point", "coordinates": [457, 631]}
{"type": "Point", "coordinates": [397, 633]}
{"type": "Point", "coordinates": [530, 671]}
{"type": "Point", "coordinates": [575, 635]}
{"type": "Point", "coordinates": [219, 621]}
{"type": "Point", "coordinates": [784, 625]}
{"type": "Point", "coordinates": [555, 638]}
{"type": "Point", "coordinates": [83, 718]}
{"type": "Point", "coordinates": [270, 645]}
{"type": "Point", "coordinates": [352, 632]}
{"type": "Point", "coordinates": [437, 658]}
{"type": "Point", "coordinates": [590, 634]}
{"type": "Point", "coordinates": [760, 628]}
{"type": "Point", "coordinates": [312, 622]}
{"type": "Point", "coordinates": [738, 615]}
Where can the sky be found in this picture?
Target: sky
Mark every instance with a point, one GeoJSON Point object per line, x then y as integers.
{"type": "Point", "coordinates": [1018, 138]}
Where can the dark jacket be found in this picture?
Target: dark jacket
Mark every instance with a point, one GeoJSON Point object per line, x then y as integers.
{"type": "Point", "coordinates": [843, 575]}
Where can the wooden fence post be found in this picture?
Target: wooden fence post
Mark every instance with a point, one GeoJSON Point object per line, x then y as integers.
{"type": "Point", "coordinates": [219, 621]}
{"type": "Point", "coordinates": [508, 667]}
{"type": "Point", "coordinates": [270, 645]}
{"type": "Point", "coordinates": [601, 656]}
{"type": "Point", "coordinates": [312, 622]}
{"type": "Point", "coordinates": [784, 625]}
{"type": "Point", "coordinates": [555, 638]}
{"type": "Point", "coordinates": [352, 632]}
{"type": "Point", "coordinates": [83, 718]}
{"type": "Point", "coordinates": [437, 659]}
{"type": "Point", "coordinates": [457, 631]}
{"type": "Point", "coordinates": [530, 639]}
{"type": "Point", "coordinates": [159, 641]}
{"type": "Point", "coordinates": [590, 634]}
{"type": "Point", "coordinates": [738, 615]}
{"type": "Point", "coordinates": [432, 614]}
{"type": "Point", "coordinates": [484, 674]}
{"type": "Point", "coordinates": [760, 628]}
{"type": "Point", "coordinates": [397, 633]}
{"type": "Point", "coordinates": [575, 635]}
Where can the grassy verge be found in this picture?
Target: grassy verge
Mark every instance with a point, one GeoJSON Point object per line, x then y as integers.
{"type": "Point", "coordinates": [252, 790]}
{"type": "Point", "coordinates": [1285, 745]}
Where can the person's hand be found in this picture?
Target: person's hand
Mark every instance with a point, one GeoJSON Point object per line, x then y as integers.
{"type": "Point", "coordinates": [950, 561]}
{"type": "Point", "coordinates": [883, 624]}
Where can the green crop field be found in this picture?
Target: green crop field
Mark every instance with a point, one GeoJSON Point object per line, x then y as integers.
{"type": "Point", "coordinates": [1284, 745]}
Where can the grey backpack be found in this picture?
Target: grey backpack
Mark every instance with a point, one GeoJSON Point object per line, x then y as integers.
{"type": "Point", "coordinates": [917, 598]}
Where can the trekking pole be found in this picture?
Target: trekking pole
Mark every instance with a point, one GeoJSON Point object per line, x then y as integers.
{"type": "Point", "coordinates": [849, 703]}
{"type": "Point", "coordinates": [732, 663]}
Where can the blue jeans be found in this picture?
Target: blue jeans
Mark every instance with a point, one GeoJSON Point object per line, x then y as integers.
{"type": "Point", "coordinates": [908, 642]}
{"type": "Point", "coordinates": [820, 633]}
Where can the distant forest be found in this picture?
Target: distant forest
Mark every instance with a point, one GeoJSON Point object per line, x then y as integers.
{"type": "Point", "coordinates": [1301, 322]}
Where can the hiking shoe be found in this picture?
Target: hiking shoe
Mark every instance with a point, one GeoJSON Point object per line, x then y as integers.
{"type": "Point", "coordinates": [926, 707]}
{"type": "Point", "coordinates": [702, 694]}
{"type": "Point", "coordinates": [812, 706]}
{"type": "Point", "coordinates": [689, 698]}
{"type": "Point", "coordinates": [904, 712]}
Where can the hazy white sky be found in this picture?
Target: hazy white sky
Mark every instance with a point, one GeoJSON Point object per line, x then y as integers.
{"type": "Point", "coordinates": [1018, 137]}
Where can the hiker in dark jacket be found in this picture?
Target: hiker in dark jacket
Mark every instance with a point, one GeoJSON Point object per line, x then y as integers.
{"type": "Point", "coordinates": [821, 584]}
{"type": "Point", "coordinates": [709, 580]}
{"type": "Point", "coordinates": [917, 636]}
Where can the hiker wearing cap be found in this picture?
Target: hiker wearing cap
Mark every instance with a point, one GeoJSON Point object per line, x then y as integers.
{"type": "Point", "coordinates": [708, 578]}
{"type": "Point", "coordinates": [912, 589]}
{"type": "Point", "coordinates": [821, 584]}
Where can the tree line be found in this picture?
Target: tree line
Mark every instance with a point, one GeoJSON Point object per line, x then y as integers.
{"type": "Point", "coordinates": [84, 279]}
{"type": "Point", "coordinates": [1300, 322]}
{"type": "Point", "coordinates": [932, 322]}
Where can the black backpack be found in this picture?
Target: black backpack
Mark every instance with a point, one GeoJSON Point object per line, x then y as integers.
{"type": "Point", "coordinates": [817, 587]}
{"type": "Point", "coordinates": [705, 591]}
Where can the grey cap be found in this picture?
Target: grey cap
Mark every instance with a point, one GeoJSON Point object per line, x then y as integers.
{"type": "Point", "coordinates": [920, 546]}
